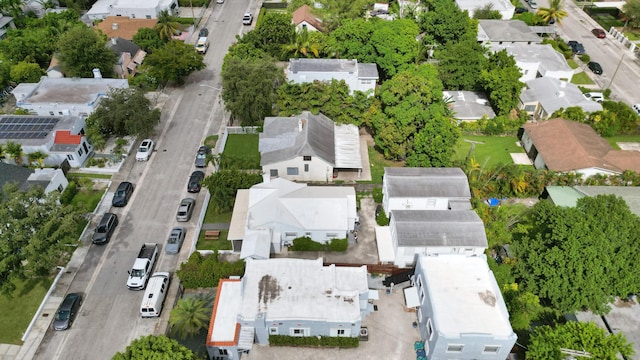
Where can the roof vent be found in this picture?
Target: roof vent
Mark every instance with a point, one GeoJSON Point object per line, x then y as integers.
{"type": "Point", "coordinates": [97, 74]}
{"type": "Point", "coordinates": [560, 93]}
{"type": "Point", "coordinates": [114, 26]}
{"type": "Point", "coordinates": [300, 125]}
{"type": "Point", "coordinates": [114, 41]}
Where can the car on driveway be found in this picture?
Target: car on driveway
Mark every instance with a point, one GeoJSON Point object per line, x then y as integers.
{"type": "Point", "coordinates": [595, 67]}
{"type": "Point", "coordinates": [144, 150]}
{"type": "Point", "coordinates": [105, 228]}
{"type": "Point", "coordinates": [195, 181]}
{"type": "Point", "coordinates": [185, 210]}
{"type": "Point", "coordinates": [247, 19]}
{"type": "Point", "coordinates": [201, 156]}
{"type": "Point", "coordinates": [599, 33]}
{"type": "Point", "coordinates": [176, 238]}
{"type": "Point", "coordinates": [594, 96]}
{"type": "Point", "coordinates": [67, 311]}
{"type": "Point", "coordinates": [576, 47]}
{"type": "Point", "coordinates": [122, 195]}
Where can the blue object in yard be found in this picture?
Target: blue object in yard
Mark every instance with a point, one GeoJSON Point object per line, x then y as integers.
{"type": "Point", "coordinates": [421, 353]}
{"type": "Point", "coordinates": [493, 202]}
{"type": "Point", "coordinates": [418, 345]}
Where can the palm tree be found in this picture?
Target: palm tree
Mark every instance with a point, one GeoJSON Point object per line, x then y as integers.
{"type": "Point", "coordinates": [2, 154]}
{"type": "Point", "coordinates": [15, 151]}
{"type": "Point", "coordinates": [167, 26]}
{"type": "Point", "coordinates": [302, 44]}
{"type": "Point", "coordinates": [37, 157]}
{"type": "Point", "coordinates": [554, 13]}
{"type": "Point", "coordinates": [190, 315]}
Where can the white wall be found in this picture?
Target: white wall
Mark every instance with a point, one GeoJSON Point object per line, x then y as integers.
{"type": "Point", "coordinates": [406, 255]}
{"type": "Point", "coordinates": [417, 204]}
{"type": "Point", "coordinates": [300, 27]}
{"type": "Point", "coordinates": [58, 180]}
{"type": "Point", "coordinates": [58, 109]}
{"type": "Point", "coordinates": [529, 70]}
{"type": "Point", "coordinates": [319, 170]}
{"type": "Point", "coordinates": [351, 79]}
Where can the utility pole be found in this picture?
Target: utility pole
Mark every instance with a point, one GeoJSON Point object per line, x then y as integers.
{"type": "Point", "coordinates": [616, 71]}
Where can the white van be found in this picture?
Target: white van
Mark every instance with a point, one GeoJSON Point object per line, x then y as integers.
{"type": "Point", "coordinates": [154, 295]}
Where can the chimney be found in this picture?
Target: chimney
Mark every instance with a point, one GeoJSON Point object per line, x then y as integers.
{"type": "Point", "coordinates": [114, 41]}
{"type": "Point", "coordinates": [97, 74]}
{"type": "Point", "coordinates": [300, 125]}
{"type": "Point", "coordinates": [114, 26]}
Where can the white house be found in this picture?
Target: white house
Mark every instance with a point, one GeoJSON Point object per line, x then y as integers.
{"type": "Point", "coordinates": [49, 179]}
{"type": "Point", "coordinates": [292, 297]}
{"type": "Point", "coordinates": [506, 32]}
{"type": "Point", "coordinates": [468, 105]}
{"type": "Point", "coordinates": [308, 147]}
{"type": "Point", "coordinates": [140, 9]}
{"type": "Point", "coordinates": [65, 96]}
{"type": "Point", "coordinates": [545, 95]}
{"type": "Point", "coordinates": [303, 18]}
{"type": "Point", "coordinates": [60, 137]}
{"type": "Point", "coordinates": [359, 77]}
{"type": "Point", "coordinates": [537, 60]}
{"type": "Point", "coordinates": [505, 7]}
{"type": "Point", "coordinates": [284, 210]}
{"type": "Point", "coordinates": [6, 23]}
{"type": "Point", "coordinates": [425, 189]}
{"type": "Point", "coordinates": [430, 232]}
{"type": "Point", "coordinates": [460, 311]}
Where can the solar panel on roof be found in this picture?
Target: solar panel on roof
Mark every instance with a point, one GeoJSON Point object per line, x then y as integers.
{"type": "Point", "coordinates": [18, 127]}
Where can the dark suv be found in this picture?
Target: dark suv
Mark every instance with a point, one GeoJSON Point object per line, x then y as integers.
{"type": "Point", "coordinates": [122, 195]}
{"type": "Point", "coordinates": [576, 47]}
{"type": "Point", "coordinates": [195, 181]}
{"type": "Point", "coordinates": [107, 225]}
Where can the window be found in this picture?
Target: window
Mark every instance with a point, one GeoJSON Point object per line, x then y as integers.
{"type": "Point", "coordinates": [290, 234]}
{"type": "Point", "coordinates": [420, 315]}
{"type": "Point", "coordinates": [429, 329]}
{"type": "Point", "coordinates": [273, 173]}
{"type": "Point", "coordinates": [529, 108]}
{"type": "Point", "coordinates": [273, 331]}
{"type": "Point", "coordinates": [51, 113]}
{"type": "Point", "coordinates": [70, 157]}
{"type": "Point", "coordinates": [60, 188]}
{"type": "Point", "coordinates": [133, 16]}
{"type": "Point", "coordinates": [341, 332]}
{"type": "Point", "coordinates": [307, 234]}
{"type": "Point", "coordinates": [292, 171]}
{"type": "Point", "coordinates": [455, 348]}
{"type": "Point", "coordinates": [223, 352]}
{"type": "Point", "coordinates": [491, 349]}
{"type": "Point", "coordinates": [421, 295]}
{"type": "Point", "coordinates": [299, 332]}
{"type": "Point", "coordinates": [59, 112]}
{"type": "Point", "coordinates": [80, 152]}
{"type": "Point", "coordinates": [306, 167]}
{"type": "Point", "coordinates": [148, 16]}
{"type": "Point", "coordinates": [306, 158]}
{"type": "Point", "coordinates": [365, 82]}
{"type": "Point", "coordinates": [332, 235]}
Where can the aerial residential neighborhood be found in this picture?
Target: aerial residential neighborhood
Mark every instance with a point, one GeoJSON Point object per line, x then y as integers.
{"type": "Point", "coordinates": [320, 179]}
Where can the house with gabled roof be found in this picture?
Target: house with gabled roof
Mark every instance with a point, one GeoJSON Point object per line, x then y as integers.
{"type": "Point", "coordinates": [303, 18]}
{"type": "Point", "coordinates": [568, 196]}
{"type": "Point", "coordinates": [48, 179]}
{"type": "Point", "coordinates": [506, 32]}
{"type": "Point", "coordinates": [505, 7]}
{"type": "Point", "coordinates": [123, 26]}
{"type": "Point", "coordinates": [130, 56]}
{"type": "Point", "coordinates": [279, 211]}
{"type": "Point", "coordinates": [568, 146]}
{"type": "Point", "coordinates": [6, 23]}
{"type": "Point", "coordinates": [545, 95]}
{"type": "Point", "coordinates": [308, 147]}
{"type": "Point", "coordinates": [460, 311]}
{"type": "Point", "coordinates": [292, 297]}
{"type": "Point", "coordinates": [537, 60]}
{"type": "Point", "coordinates": [358, 76]}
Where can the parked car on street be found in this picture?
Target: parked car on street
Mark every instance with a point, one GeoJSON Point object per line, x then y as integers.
{"type": "Point", "coordinates": [599, 33]}
{"type": "Point", "coordinates": [144, 150]}
{"type": "Point", "coordinates": [176, 238]}
{"type": "Point", "coordinates": [576, 47]}
{"type": "Point", "coordinates": [595, 67]}
{"type": "Point", "coordinates": [636, 107]}
{"type": "Point", "coordinates": [122, 195]}
{"type": "Point", "coordinates": [185, 209]}
{"type": "Point", "coordinates": [67, 311]}
{"type": "Point", "coordinates": [247, 19]}
{"type": "Point", "coordinates": [204, 32]}
{"type": "Point", "coordinates": [195, 181]}
{"type": "Point", "coordinates": [105, 228]}
{"type": "Point", "coordinates": [201, 156]}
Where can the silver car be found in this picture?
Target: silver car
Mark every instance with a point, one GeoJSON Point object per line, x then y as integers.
{"type": "Point", "coordinates": [176, 238]}
{"type": "Point", "coordinates": [185, 209]}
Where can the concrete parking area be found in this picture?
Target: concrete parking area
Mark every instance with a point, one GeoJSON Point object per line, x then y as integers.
{"type": "Point", "coordinates": [390, 333]}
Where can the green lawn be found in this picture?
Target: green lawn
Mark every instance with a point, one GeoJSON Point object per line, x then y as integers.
{"type": "Point", "coordinates": [581, 78]}
{"type": "Point", "coordinates": [490, 151]}
{"type": "Point", "coordinates": [220, 244]}
{"type": "Point", "coordinates": [18, 310]}
{"type": "Point", "coordinates": [622, 138]}
{"type": "Point", "coordinates": [212, 217]}
{"type": "Point", "coordinates": [242, 151]}
{"type": "Point", "coordinates": [378, 163]}
{"type": "Point", "coordinates": [572, 64]}
{"type": "Point", "coordinates": [211, 141]}
{"type": "Point", "coordinates": [86, 175]}
{"type": "Point", "coordinates": [87, 198]}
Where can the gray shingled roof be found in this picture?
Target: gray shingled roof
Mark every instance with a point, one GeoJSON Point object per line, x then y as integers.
{"type": "Point", "coordinates": [427, 228]}
{"type": "Point", "coordinates": [553, 94]}
{"type": "Point", "coordinates": [13, 174]}
{"type": "Point", "coordinates": [285, 138]}
{"type": "Point", "coordinates": [630, 194]}
{"type": "Point", "coordinates": [469, 105]}
{"type": "Point", "coordinates": [368, 71]}
{"type": "Point", "coordinates": [119, 45]}
{"type": "Point", "coordinates": [506, 31]}
{"type": "Point", "coordinates": [328, 65]}
{"type": "Point", "coordinates": [426, 182]}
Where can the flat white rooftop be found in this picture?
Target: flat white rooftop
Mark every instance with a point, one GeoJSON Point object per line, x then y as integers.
{"type": "Point", "coordinates": [224, 325]}
{"type": "Point", "coordinates": [302, 290]}
{"type": "Point", "coordinates": [67, 90]}
{"type": "Point", "coordinates": [465, 296]}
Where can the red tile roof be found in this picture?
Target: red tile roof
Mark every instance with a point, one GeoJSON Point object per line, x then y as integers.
{"type": "Point", "coordinates": [65, 137]}
{"type": "Point", "coordinates": [125, 26]}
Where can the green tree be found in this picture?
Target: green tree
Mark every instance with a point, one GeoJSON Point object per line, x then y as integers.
{"type": "Point", "coordinates": [37, 158]}
{"type": "Point", "coordinates": [148, 39]}
{"type": "Point", "coordinates": [190, 315]}
{"type": "Point", "coordinates": [224, 184]}
{"type": "Point", "coordinates": [249, 88]}
{"type": "Point", "coordinates": [36, 234]}
{"type": "Point", "coordinates": [155, 347]}
{"type": "Point", "coordinates": [487, 12]}
{"type": "Point", "coordinates": [547, 342]}
{"type": "Point", "coordinates": [444, 22]}
{"type": "Point", "coordinates": [524, 307]}
{"type": "Point", "coordinates": [501, 80]}
{"type": "Point", "coordinates": [123, 112]}
{"type": "Point", "coordinates": [631, 11]}
{"type": "Point", "coordinates": [461, 63]}
{"type": "Point", "coordinates": [29, 45]}
{"type": "Point", "coordinates": [175, 61]}
{"type": "Point", "coordinates": [335, 12]}
{"type": "Point", "coordinates": [352, 40]}
{"type": "Point", "coordinates": [554, 13]}
{"type": "Point", "coordinates": [435, 143]}
{"type": "Point", "coordinates": [206, 271]}
{"type": "Point", "coordinates": [577, 261]}
{"type": "Point", "coordinates": [167, 25]}
{"type": "Point", "coordinates": [80, 50]}
{"type": "Point", "coordinates": [26, 72]}
{"type": "Point", "coordinates": [14, 150]}
{"type": "Point", "coordinates": [274, 31]}
{"type": "Point", "coordinates": [302, 44]}
{"type": "Point", "coordinates": [574, 113]}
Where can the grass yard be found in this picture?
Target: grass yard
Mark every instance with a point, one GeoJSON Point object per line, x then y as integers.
{"type": "Point", "coordinates": [572, 64]}
{"type": "Point", "coordinates": [211, 217]}
{"type": "Point", "coordinates": [211, 141]}
{"type": "Point", "coordinates": [490, 152]}
{"type": "Point", "coordinates": [581, 78]}
{"type": "Point", "coordinates": [377, 164]}
{"type": "Point", "coordinates": [220, 244]}
{"type": "Point", "coordinates": [622, 138]}
{"type": "Point", "coordinates": [87, 198]}
{"type": "Point", "coordinates": [242, 150]}
{"type": "Point", "coordinates": [90, 176]}
{"type": "Point", "coordinates": [18, 310]}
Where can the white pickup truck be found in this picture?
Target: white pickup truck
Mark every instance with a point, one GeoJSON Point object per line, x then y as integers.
{"type": "Point", "coordinates": [142, 267]}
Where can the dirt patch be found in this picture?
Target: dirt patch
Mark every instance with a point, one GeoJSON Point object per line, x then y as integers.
{"type": "Point", "coordinates": [529, 202]}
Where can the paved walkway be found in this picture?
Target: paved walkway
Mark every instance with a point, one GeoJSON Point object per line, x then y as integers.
{"type": "Point", "coordinates": [215, 226]}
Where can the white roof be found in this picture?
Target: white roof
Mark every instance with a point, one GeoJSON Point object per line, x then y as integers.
{"type": "Point", "coordinates": [239, 215]}
{"type": "Point", "coordinates": [347, 142]}
{"type": "Point", "coordinates": [101, 7]}
{"type": "Point", "coordinates": [301, 206]}
{"type": "Point", "coordinates": [302, 290]}
{"type": "Point", "coordinates": [225, 312]}
{"type": "Point", "coordinates": [67, 90]}
{"type": "Point", "coordinates": [464, 295]}
{"type": "Point", "coordinates": [386, 254]}
{"type": "Point", "coordinates": [256, 244]}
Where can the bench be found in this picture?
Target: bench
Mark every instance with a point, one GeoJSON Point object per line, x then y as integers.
{"type": "Point", "coordinates": [212, 235]}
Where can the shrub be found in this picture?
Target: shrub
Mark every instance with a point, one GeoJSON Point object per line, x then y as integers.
{"type": "Point", "coordinates": [338, 244]}
{"type": "Point", "coordinates": [314, 341]}
{"type": "Point", "coordinates": [382, 219]}
{"type": "Point", "coordinates": [68, 193]}
{"type": "Point", "coordinates": [200, 271]}
{"type": "Point", "coordinates": [585, 58]}
{"type": "Point", "coordinates": [377, 195]}
{"type": "Point", "coordinates": [306, 244]}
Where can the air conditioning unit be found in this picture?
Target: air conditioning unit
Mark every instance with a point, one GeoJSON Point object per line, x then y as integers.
{"type": "Point", "coordinates": [364, 334]}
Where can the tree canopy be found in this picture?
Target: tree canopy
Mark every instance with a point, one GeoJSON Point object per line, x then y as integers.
{"type": "Point", "coordinates": [80, 50]}
{"type": "Point", "coordinates": [501, 81]}
{"type": "Point", "coordinates": [577, 261]}
{"type": "Point", "coordinates": [190, 315]}
{"type": "Point", "coordinates": [175, 61]}
{"type": "Point", "coordinates": [460, 63]}
{"type": "Point", "coordinates": [224, 184]}
{"type": "Point", "coordinates": [148, 39]}
{"type": "Point", "coordinates": [36, 234]}
{"type": "Point", "coordinates": [631, 10]}
{"type": "Point", "coordinates": [124, 112]}
{"type": "Point", "coordinates": [444, 22]}
{"type": "Point", "coordinates": [155, 347]}
{"type": "Point", "coordinates": [273, 32]}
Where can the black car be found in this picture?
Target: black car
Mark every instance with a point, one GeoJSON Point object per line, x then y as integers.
{"type": "Point", "coordinates": [204, 32]}
{"type": "Point", "coordinates": [595, 67]}
{"type": "Point", "coordinates": [195, 181]}
{"type": "Point", "coordinates": [576, 47]}
{"type": "Point", "coordinates": [67, 311]}
{"type": "Point", "coordinates": [105, 228]}
{"type": "Point", "coordinates": [201, 156]}
{"type": "Point", "coordinates": [122, 195]}
{"type": "Point", "coordinates": [521, 10]}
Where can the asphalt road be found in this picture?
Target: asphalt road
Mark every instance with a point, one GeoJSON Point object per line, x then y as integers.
{"type": "Point", "coordinates": [109, 318]}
